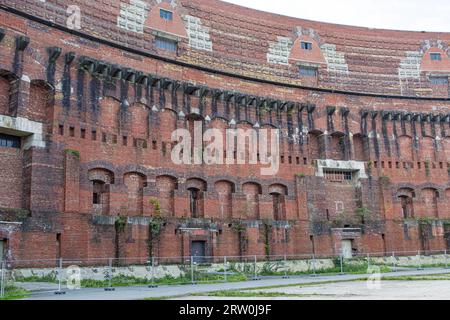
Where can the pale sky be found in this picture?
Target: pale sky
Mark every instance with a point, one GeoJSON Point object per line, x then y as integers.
{"type": "Point", "coordinates": [414, 15]}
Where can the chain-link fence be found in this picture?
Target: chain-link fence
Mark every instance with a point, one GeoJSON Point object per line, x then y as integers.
{"type": "Point", "coordinates": [60, 275]}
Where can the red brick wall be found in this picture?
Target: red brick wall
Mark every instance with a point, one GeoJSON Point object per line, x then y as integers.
{"type": "Point", "coordinates": [56, 182]}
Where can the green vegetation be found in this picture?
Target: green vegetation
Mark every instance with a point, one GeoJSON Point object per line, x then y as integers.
{"type": "Point", "coordinates": [120, 224]}
{"type": "Point", "coordinates": [14, 293]}
{"type": "Point", "coordinates": [49, 278]}
{"type": "Point", "coordinates": [74, 153]}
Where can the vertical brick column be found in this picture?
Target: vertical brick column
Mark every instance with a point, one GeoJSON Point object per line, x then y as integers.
{"type": "Point", "coordinates": [71, 181]}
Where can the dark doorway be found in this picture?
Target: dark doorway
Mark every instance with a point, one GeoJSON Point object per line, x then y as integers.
{"type": "Point", "coordinates": [198, 251]}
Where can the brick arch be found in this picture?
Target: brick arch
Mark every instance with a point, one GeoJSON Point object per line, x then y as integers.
{"type": "Point", "coordinates": [224, 190]}
{"type": "Point", "coordinates": [196, 188]}
{"type": "Point", "coordinates": [101, 174]}
{"type": "Point", "coordinates": [359, 149]}
{"type": "Point", "coordinates": [100, 180]}
{"type": "Point", "coordinates": [109, 109]}
{"type": "Point", "coordinates": [252, 190]}
{"type": "Point", "coordinates": [41, 101]}
{"type": "Point", "coordinates": [405, 144]}
{"type": "Point", "coordinates": [337, 145]}
{"type": "Point", "coordinates": [279, 188]}
{"type": "Point", "coordinates": [245, 123]}
{"type": "Point", "coordinates": [427, 149]}
{"type": "Point", "coordinates": [166, 186]}
{"type": "Point", "coordinates": [121, 171]}
{"type": "Point", "coordinates": [278, 193]}
{"type": "Point", "coordinates": [139, 120]}
{"type": "Point", "coordinates": [222, 119]}
{"type": "Point", "coordinates": [314, 144]}
{"type": "Point", "coordinates": [135, 183]}
{"type": "Point", "coordinates": [168, 124]}
{"type": "Point", "coordinates": [6, 80]}
{"type": "Point", "coordinates": [429, 197]}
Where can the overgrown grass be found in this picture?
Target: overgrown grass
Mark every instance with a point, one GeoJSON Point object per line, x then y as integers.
{"type": "Point", "coordinates": [14, 293]}
{"type": "Point", "coordinates": [349, 268]}
{"type": "Point", "coordinates": [49, 278]}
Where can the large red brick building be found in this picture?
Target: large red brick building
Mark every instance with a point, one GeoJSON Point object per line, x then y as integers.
{"type": "Point", "coordinates": [92, 90]}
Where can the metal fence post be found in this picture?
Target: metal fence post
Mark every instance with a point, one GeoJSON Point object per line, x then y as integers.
{"type": "Point", "coordinates": [285, 268]}
{"type": "Point", "coordinates": [255, 270]}
{"type": "Point", "coordinates": [446, 260]}
{"type": "Point", "coordinates": [225, 268]}
{"type": "Point", "coordinates": [153, 285]}
{"type": "Point", "coordinates": [394, 263]}
{"type": "Point", "coordinates": [110, 288]}
{"type": "Point", "coordinates": [342, 263]}
{"type": "Point", "coordinates": [314, 266]}
{"type": "Point", "coordinates": [420, 261]}
{"type": "Point", "coordinates": [192, 270]}
{"type": "Point", "coordinates": [2, 283]}
{"type": "Point", "coordinates": [60, 264]}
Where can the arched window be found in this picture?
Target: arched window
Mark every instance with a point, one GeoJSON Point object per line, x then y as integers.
{"type": "Point", "coordinates": [278, 193]}
{"type": "Point", "coordinates": [101, 180]}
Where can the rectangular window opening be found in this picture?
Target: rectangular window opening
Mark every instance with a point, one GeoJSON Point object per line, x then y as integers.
{"type": "Point", "coordinates": [166, 44]}
{"type": "Point", "coordinates": [8, 141]}
{"type": "Point", "coordinates": [166, 15]}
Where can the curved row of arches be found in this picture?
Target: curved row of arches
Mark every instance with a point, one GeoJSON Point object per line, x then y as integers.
{"type": "Point", "coordinates": [417, 202]}
{"type": "Point", "coordinates": [135, 188]}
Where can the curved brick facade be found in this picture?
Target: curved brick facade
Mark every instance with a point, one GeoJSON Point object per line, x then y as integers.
{"type": "Point", "coordinates": [94, 108]}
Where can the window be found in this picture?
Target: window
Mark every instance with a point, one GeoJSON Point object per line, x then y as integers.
{"type": "Point", "coordinates": [308, 72]}
{"type": "Point", "coordinates": [435, 56]}
{"type": "Point", "coordinates": [166, 15]}
{"type": "Point", "coordinates": [338, 176]}
{"type": "Point", "coordinates": [439, 80]}
{"type": "Point", "coordinates": [306, 45]}
{"type": "Point", "coordinates": [166, 44]}
{"type": "Point", "coordinates": [8, 141]}
{"type": "Point", "coordinates": [83, 133]}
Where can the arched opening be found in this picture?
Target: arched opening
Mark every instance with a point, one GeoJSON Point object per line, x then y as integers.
{"type": "Point", "coordinates": [314, 144]}
{"type": "Point", "coordinates": [278, 193]}
{"type": "Point", "coordinates": [166, 186]}
{"type": "Point", "coordinates": [196, 189]}
{"type": "Point", "coordinates": [337, 146]}
{"type": "Point", "coordinates": [225, 190]}
{"type": "Point", "coordinates": [139, 121]}
{"type": "Point", "coordinates": [101, 180]}
{"type": "Point", "coordinates": [406, 197]}
{"type": "Point", "coordinates": [429, 199]}
{"type": "Point", "coordinates": [252, 192]}
{"type": "Point", "coordinates": [195, 121]}
{"type": "Point", "coordinates": [405, 148]}
{"type": "Point", "coordinates": [40, 101]}
{"type": "Point", "coordinates": [135, 183]}
{"type": "Point", "coordinates": [358, 148]}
